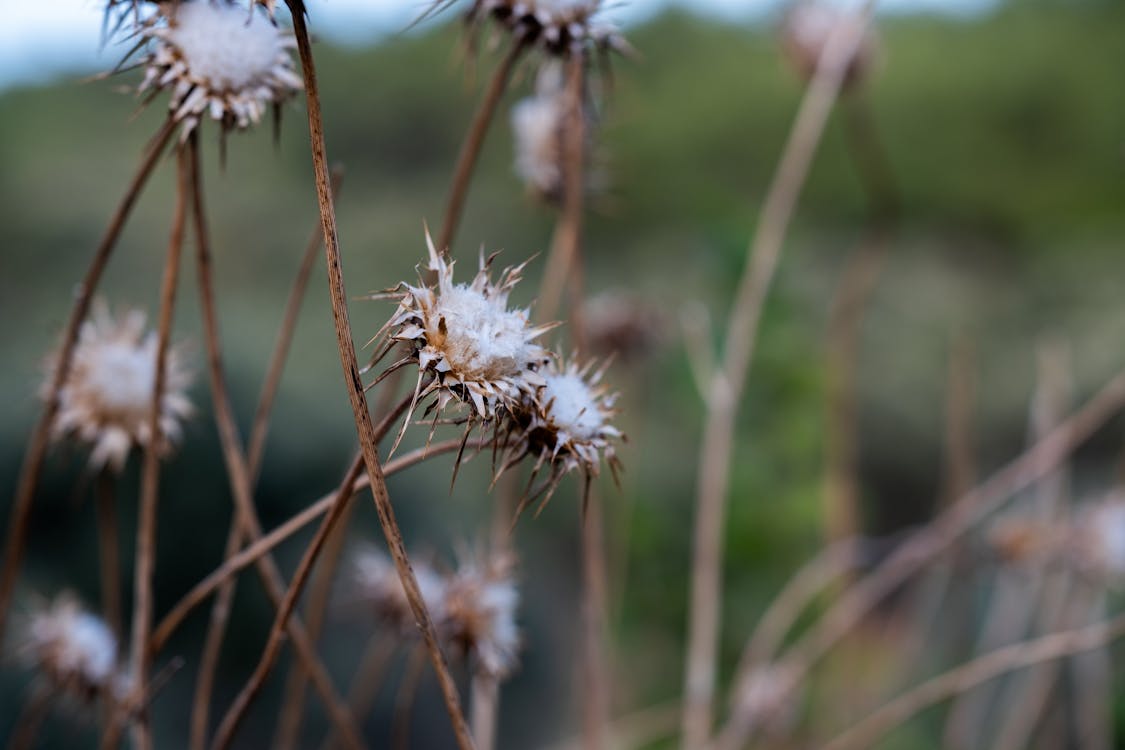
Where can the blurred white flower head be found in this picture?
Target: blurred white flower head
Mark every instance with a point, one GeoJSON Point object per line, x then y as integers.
{"type": "Point", "coordinates": [73, 648]}
{"type": "Point", "coordinates": [106, 400]}
{"type": "Point", "coordinates": [377, 586]}
{"type": "Point", "coordinates": [480, 614]}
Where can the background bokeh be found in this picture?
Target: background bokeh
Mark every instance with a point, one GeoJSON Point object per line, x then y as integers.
{"type": "Point", "coordinates": [1006, 135]}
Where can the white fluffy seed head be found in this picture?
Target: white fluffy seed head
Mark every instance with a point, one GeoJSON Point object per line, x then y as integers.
{"type": "Point", "coordinates": [557, 27]}
{"type": "Point", "coordinates": [75, 649]}
{"type": "Point", "coordinates": [219, 59]}
{"type": "Point", "coordinates": [377, 585]}
{"type": "Point", "coordinates": [480, 615]}
{"type": "Point", "coordinates": [1101, 540]}
{"type": "Point", "coordinates": [106, 400]}
{"type": "Point", "coordinates": [572, 406]}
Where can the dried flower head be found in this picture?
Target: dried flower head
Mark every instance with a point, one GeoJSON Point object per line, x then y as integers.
{"type": "Point", "coordinates": [558, 27]}
{"type": "Point", "coordinates": [107, 398]}
{"type": "Point", "coordinates": [806, 30]}
{"type": "Point", "coordinates": [219, 59]}
{"type": "Point", "coordinates": [538, 128]}
{"type": "Point", "coordinates": [464, 337]}
{"type": "Point", "coordinates": [480, 614]}
{"type": "Point", "coordinates": [765, 697]}
{"type": "Point", "coordinates": [1098, 541]}
{"type": "Point", "coordinates": [568, 427]}
{"type": "Point", "coordinates": [377, 586]}
{"type": "Point", "coordinates": [620, 324]}
{"type": "Point", "coordinates": [74, 649]}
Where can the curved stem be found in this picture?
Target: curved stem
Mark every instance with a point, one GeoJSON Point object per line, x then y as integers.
{"type": "Point", "coordinates": [474, 141]}
{"type": "Point", "coordinates": [726, 390]}
{"type": "Point", "coordinates": [364, 427]}
{"type": "Point", "coordinates": [225, 734]}
{"type": "Point", "coordinates": [967, 676]}
{"type": "Point", "coordinates": [150, 472]}
{"type": "Point", "coordinates": [32, 467]}
{"type": "Point", "coordinates": [239, 474]}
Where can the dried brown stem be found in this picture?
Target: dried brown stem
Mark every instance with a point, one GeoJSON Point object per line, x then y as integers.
{"type": "Point", "coordinates": [293, 704]}
{"type": "Point", "coordinates": [109, 553]}
{"type": "Point", "coordinates": [364, 427]}
{"type": "Point", "coordinates": [365, 685]}
{"type": "Point", "coordinates": [220, 609]}
{"type": "Point", "coordinates": [596, 692]}
{"type": "Point", "coordinates": [150, 473]}
{"type": "Point", "coordinates": [238, 471]}
{"type": "Point", "coordinates": [34, 713]}
{"type": "Point", "coordinates": [265, 544]}
{"type": "Point", "coordinates": [20, 514]}
{"type": "Point", "coordinates": [229, 725]}
{"type": "Point", "coordinates": [728, 382]}
{"type": "Point", "coordinates": [485, 704]}
{"type": "Point", "coordinates": [969, 675]}
{"type": "Point", "coordinates": [474, 141]}
{"type": "Point", "coordinates": [404, 701]}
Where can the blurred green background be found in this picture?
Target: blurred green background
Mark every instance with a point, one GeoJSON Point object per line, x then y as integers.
{"type": "Point", "coordinates": [1005, 132]}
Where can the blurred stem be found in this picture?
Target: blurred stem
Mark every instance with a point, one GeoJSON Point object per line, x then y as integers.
{"type": "Point", "coordinates": [237, 470]}
{"type": "Point", "coordinates": [32, 468]}
{"type": "Point", "coordinates": [34, 713]}
{"type": "Point", "coordinates": [485, 691]}
{"type": "Point", "coordinates": [729, 380]}
{"type": "Point", "coordinates": [978, 671]}
{"type": "Point", "coordinates": [150, 472]}
{"type": "Point", "coordinates": [227, 728]}
{"type": "Point", "coordinates": [368, 678]}
{"type": "Point", "coordinates": [474, 141]}
{"type": "Point", "coordinates": [364, 427]}
{"type": "Point", "coordinates": [109, 549]}
{"type": "Point", "coordinates": [404, 701]}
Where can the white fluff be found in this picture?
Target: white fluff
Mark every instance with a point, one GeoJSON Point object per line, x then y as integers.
{"type": "Point", "coordinates": [224, 45]}
{"type": "Point", "coordinates": [572, 406]}
{"type": "Point", "coordinates": [484, 339]}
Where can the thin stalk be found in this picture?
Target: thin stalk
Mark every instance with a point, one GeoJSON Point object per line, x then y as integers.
{"type": "Point", "coordinates": [150, 472]}
{"type": "Point", "coordinates": [474, 141]}
{"type": "Point", "coordinates": [34, 713]}
{"type": "Point", "coordinates": [265, 544]}
{"type": "Point", "coordinates": [109, 553]}
{"type": "Point", "coordinates": [238, 471]}
{"type": "Point", "coordinates": [485, 704]}
{"type": "Point", "coordinates": [365, 685]}
{"type": "Point", "coordinates": [404, 701]}
{"type": "Point", "coordinates": [220, 609]}
{"type": "Point", "coordinates": [729, 379]}
{"type": "Point", "coordinates": [597, 694]}
{"type": "Point", "coordinates": [976, 672]}
{"type": "Point", "coordinates": [364, 427]}
{"type": "Point", "coordinates": [293, 704]}
{"type": "Point", "coordinates": [32, 467]}
{"type": "Point", "coordinates": [229, 725]}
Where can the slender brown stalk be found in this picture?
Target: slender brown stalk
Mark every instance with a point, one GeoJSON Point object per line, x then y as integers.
{"type": "Point", "coordinates": [368, 678]}
{"type": "Point", "coordinates": [484, 693]}
{"type": "Point", "coordinates": [969, 675]}
{"type": "Point", "coordinates": [34, 713]}
{"type": "Point", "coordinates": [229, 725]}
{"type": "Point", "coordinates": [238, 471]}
{"type": "Point", "coordinates": [32, 467]}
{"type": "Point", "coordinates": [293, 704]}
{"type": "Point", "coordinates": [150, 472]}
{"type": "Point", "coordinates": [355, 389]}
{"type": "Point", "coordinates": [596, 693]}
{"type": "Point", "coordinates": [474, 140]}
{"type": "Point", "coordinates": [265, 544]}
{"type": "Point", "coordinates": [109, 553]}
{"type": "Point", "coordinates": [404, 701]}
{"type": "Point", "coordinates": [728, 382]}
{"type": "Point", "coordinates": [220, 609]}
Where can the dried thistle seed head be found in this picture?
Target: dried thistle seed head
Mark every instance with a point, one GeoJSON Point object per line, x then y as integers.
{"type": "Point", "coordinates": [480, 614]}
{"type": "Point", "coordinates": [477, 350]}
{"type": "Point", "coordinates": [1098, 540]}
{"type": "Point", "coordinates": [765, 698]}
{"type": "Point", "coordinates": [619, 324]}
{"type": "Point", "coordinates": [106, 400]}
{"type": "Point", "coordinates": [538, 129]}
{"type": "Point", "coordinates": [74, 649]}
{"type": "Point", "coordinates": [568, 426]}
{"type": "Point", "coordinates": [805, 32]}
{"type": "Point", "coordinates": [377, 586]}
{"type": "Point", "coordinates": [219, 60]}
{"type": "Point", "coordinates": [558, 27]}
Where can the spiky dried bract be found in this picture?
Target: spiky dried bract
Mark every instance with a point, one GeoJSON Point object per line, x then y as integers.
{"type": "Point", "coordinates": [477, 350]}
{"type": "Point", "coordinates": [106, 400]}
{"type": "Point", "coordinates": [569, 426]}
{"type": "Point", "coordinates": [376, 585]}
{"type": "Point", "coordinates": [805, 32]}
{"type": "Point", "coordinates": [479, 620]}
{"type": "Point", "coordinates": [73, 649]}
{"type": "Point", "coordinates": [218, 59]}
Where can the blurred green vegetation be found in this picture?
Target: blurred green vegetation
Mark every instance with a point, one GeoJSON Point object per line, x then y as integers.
{"type": "Point", "coordinates": [1006, 135]}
